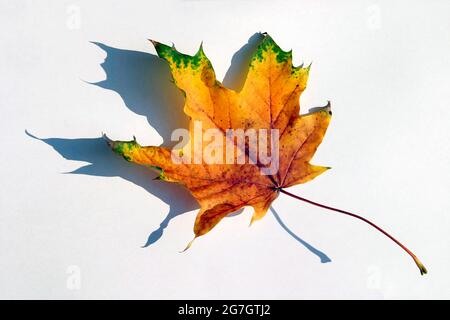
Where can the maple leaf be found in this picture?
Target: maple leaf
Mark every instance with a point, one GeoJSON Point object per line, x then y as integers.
{"type": "Point", "coordinates": [269, 100]}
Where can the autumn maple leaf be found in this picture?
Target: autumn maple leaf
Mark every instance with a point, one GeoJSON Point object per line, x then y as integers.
{"type": "Point", "coordinates": [269, 100]}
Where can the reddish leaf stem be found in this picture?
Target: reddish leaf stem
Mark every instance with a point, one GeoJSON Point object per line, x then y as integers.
{"type": "Point", "coordinates": [419, 264]}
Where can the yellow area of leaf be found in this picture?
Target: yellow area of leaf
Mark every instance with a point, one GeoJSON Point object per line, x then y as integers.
{"type": "Point", "coordinates": [269, 99]}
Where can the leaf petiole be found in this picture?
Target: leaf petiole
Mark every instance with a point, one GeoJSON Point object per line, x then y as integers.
{"type": "Point", "coordinates": [419, 264]}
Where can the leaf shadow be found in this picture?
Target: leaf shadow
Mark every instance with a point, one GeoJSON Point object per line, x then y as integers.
{"type": "Point", "coordinates": [237, 72]}
{"type": "Point", "coordinates": [145, 85]}
{"type": "Point", "coordinates": [322, 256]}
{"type": "Point", "coordinates": [104, 164]}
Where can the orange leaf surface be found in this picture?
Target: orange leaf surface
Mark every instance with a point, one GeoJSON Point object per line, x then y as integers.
{"type": "Point", "coordinates": [268, 100]}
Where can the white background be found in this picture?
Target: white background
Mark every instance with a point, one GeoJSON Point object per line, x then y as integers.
{"type": "Point", "coordinates": [383, 64]}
